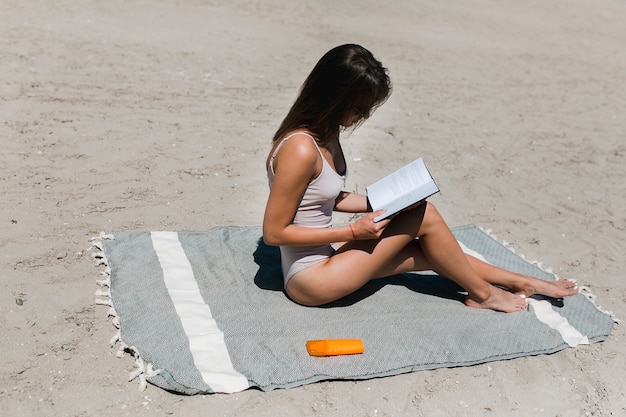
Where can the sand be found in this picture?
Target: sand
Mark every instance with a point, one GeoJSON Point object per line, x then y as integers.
{"type": "Point", "coordinates": [127, 115]}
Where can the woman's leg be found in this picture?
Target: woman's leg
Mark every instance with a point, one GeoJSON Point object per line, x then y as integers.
{"type": "Point", "coordinates": [397, 251]}
{"type": "Point", "coordinates": [522, 284]}
{"type": "Point", "coordinates": [446, 257]}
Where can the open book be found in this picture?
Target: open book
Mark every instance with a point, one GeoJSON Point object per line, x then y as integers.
{"type": "Point", "coordinates": [409, 185]}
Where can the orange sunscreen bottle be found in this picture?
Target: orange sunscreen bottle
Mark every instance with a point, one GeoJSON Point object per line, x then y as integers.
{"type": "Point", "coordinates": [332, 347]}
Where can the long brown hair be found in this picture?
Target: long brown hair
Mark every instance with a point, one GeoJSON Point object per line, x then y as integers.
{"type": "Point", "coordinates": [346, 81]}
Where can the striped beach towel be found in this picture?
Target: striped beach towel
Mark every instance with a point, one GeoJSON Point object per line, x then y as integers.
{"type": "Point", "coordinates": [204, 312]}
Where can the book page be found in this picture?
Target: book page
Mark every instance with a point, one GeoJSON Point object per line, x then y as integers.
{"type": "Point", "coordinates": [384, 191]}
{"type": "Point", "coordinates": [401, 189]}
{"type": "Point", "coordinates": [406, 200]}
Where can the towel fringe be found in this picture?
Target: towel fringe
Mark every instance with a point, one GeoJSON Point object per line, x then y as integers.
{"type": "Point", "coordinates": [103, 293]}
{"type": "Point", "coordinates": [583, 289]}
{"type": "Point", "coordinates": [103, 302]}
{"type": "Point", "coordinates": [116, 338]}
{"type": "Point", "coordinates": [586, 291]}
{"type": "Point", "coordinates": [143, 370]}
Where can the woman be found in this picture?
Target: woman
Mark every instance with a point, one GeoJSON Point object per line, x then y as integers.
{"type": "Point", "coordinates": [307, 169]}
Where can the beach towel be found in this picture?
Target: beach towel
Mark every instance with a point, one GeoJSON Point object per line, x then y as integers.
{"type": "Point", "coordinates": [205, 312]}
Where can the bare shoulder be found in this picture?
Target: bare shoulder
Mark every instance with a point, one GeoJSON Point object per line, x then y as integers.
{"type": "Point", "coordinates": [297, 152]}
{"type": "Point", "coordinates": [301, 144]}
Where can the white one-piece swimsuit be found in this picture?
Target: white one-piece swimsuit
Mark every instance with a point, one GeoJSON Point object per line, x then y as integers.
{"type": "Point", "coordinates": [315, 210]}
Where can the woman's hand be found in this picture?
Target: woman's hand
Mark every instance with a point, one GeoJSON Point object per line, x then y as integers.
{"type": "Point", "coordinates": [365, 228]}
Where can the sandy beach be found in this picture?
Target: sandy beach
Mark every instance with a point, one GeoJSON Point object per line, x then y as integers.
{"type": "Point", "coordinates": [131, 115]}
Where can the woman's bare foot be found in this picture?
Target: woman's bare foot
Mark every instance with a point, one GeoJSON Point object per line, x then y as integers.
{"type": "Point", "coordinates": [500, 300]}
{"type": "Point", "coordinates": [556, 289]}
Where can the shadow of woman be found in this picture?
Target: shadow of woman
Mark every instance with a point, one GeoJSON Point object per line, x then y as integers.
{"type": "Point", "coordinates": [269, 276]}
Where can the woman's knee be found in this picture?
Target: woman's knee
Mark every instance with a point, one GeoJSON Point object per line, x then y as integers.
{"type": "Point", "coordinates": [431, 215]}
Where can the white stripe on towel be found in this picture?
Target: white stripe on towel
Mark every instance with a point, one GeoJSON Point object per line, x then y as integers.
{"type": "Point", "coordinates": [206, 340]}
{"type": "Point", "coordinates": [545, 313]}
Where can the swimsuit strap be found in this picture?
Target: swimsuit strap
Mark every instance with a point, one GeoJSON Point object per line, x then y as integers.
{"type": "Point", "coordinates": [271, 165]}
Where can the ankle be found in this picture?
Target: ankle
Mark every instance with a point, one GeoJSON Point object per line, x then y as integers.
{"type": "Point", "coordinates": [481, 294]}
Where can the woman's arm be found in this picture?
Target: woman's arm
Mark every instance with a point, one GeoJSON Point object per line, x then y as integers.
{"type": "Point", "coordinates": [348, 202]}
{"type": "Point", "coordinates": [295, 165]}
